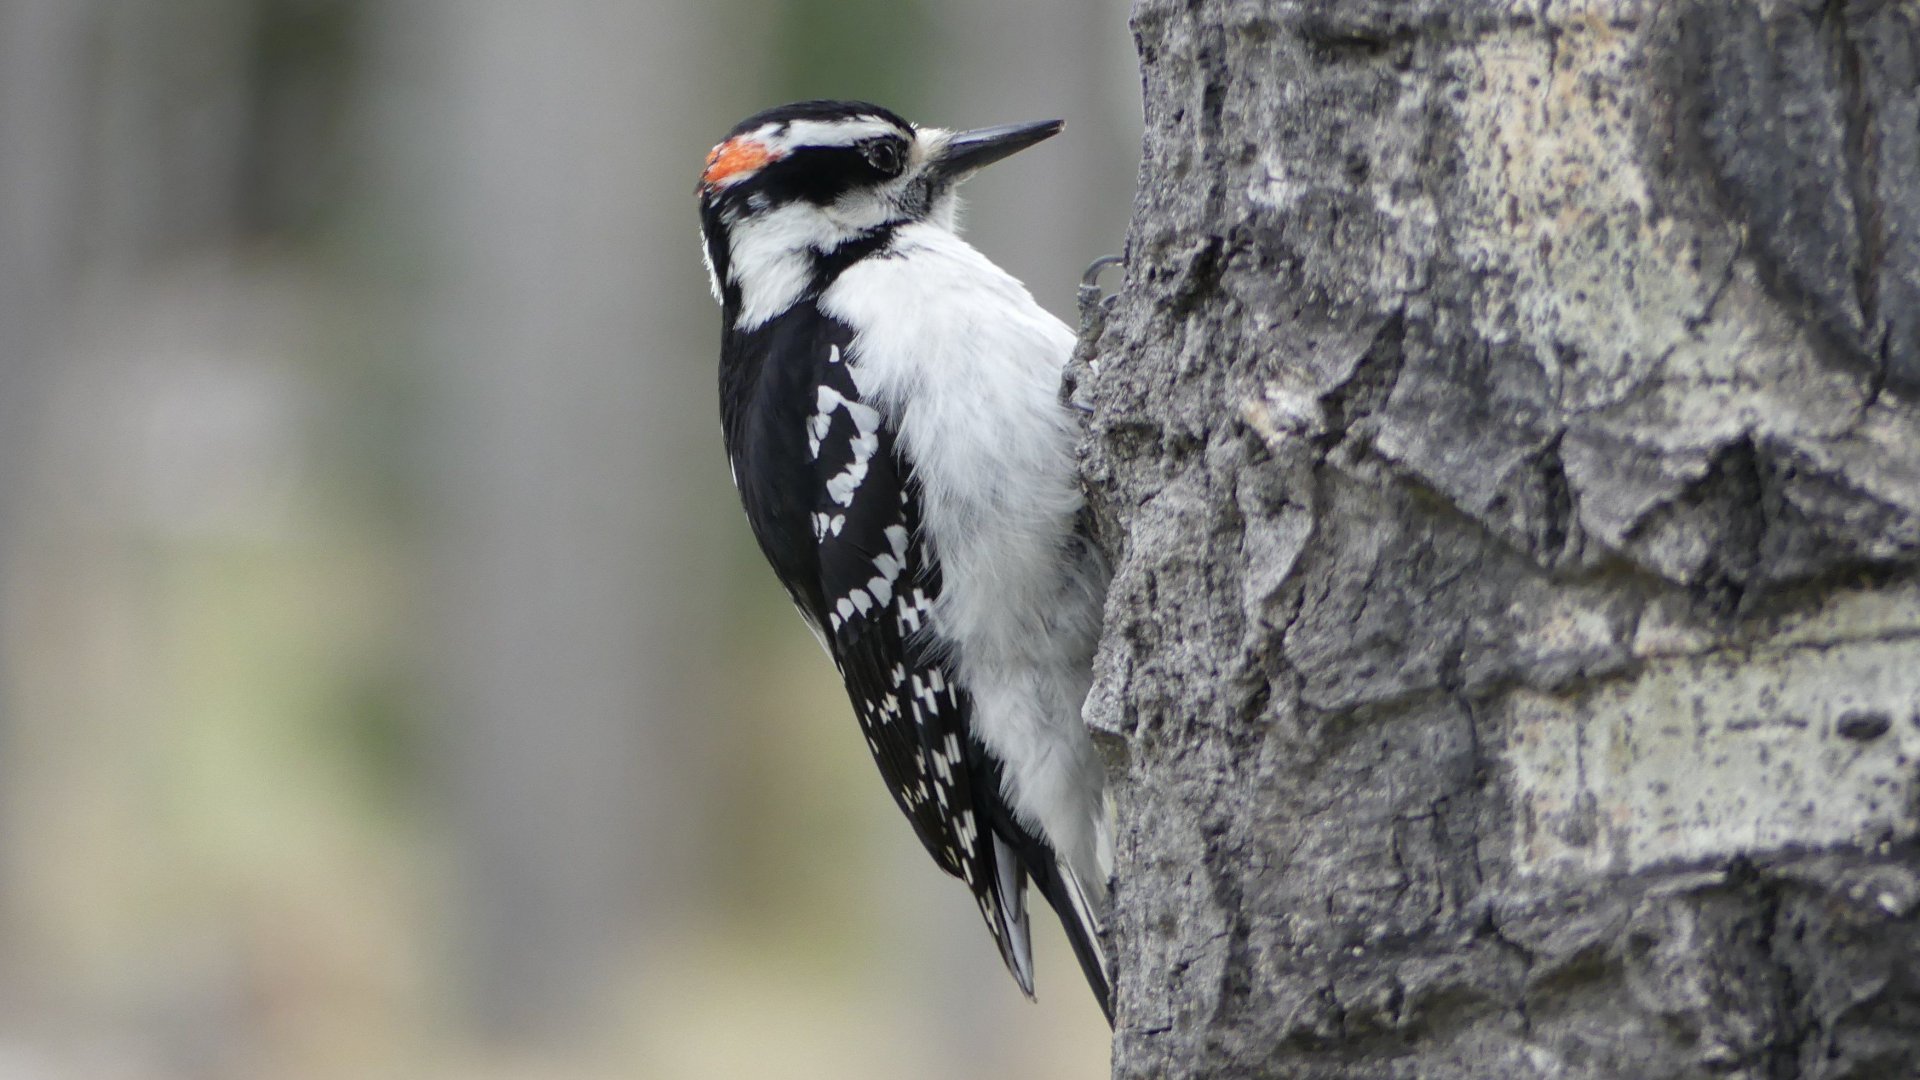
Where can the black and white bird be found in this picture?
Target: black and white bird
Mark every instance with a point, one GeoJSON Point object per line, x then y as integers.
{"type": "Point", "coordinates": [890, 400]}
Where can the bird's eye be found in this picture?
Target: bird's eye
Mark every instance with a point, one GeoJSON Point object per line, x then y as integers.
{"type": "Point", "coordinates": [886, 155]}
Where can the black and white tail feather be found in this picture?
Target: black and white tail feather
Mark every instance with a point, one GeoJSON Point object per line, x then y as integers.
{"type": "Point", "coordinates": [889, 399]}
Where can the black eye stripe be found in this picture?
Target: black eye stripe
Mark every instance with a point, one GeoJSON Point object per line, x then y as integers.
{"type": "Point", "coordinates": [821, 173]}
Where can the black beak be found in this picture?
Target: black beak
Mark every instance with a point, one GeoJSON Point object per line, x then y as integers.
{"type": "Point", "coordinates": [970, 150]}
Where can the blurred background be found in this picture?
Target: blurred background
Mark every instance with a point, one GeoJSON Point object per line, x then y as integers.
{"type": "Point", "coordinates": [388, 683]}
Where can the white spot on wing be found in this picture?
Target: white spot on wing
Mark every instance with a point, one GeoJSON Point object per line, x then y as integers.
{"type": "Point", "coordinates": [842, 486]}
{"type": "Point", "coordinates": [865, 443]}
{"type": "Point", "coordinates": [817, 427]}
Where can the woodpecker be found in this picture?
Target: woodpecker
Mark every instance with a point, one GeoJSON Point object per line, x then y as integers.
{"type": "Point", "coordinates": [890, 404]}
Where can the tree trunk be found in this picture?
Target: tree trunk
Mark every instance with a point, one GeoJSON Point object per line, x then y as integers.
{"type": "Point", "coordinates": [1506, 436]}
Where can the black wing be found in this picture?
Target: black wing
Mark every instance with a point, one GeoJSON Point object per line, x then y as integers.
{"type": "Point", "coordinates": [836, 515]}
{"type": "Point", "coordinates": [878, 587]}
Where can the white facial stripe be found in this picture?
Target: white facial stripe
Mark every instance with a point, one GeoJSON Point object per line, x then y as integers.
{"type": "Point", "coordinates": [770, 258]}
{"type": "Point", "coordinates": [804, 133]}
{"type": "Point", "coordinates": [772, 251]}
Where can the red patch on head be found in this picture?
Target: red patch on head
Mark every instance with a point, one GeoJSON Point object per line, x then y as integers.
{"type": "Point", "coordinates": [737, 157]}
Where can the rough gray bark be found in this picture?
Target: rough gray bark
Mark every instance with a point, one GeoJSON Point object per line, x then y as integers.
{"type": "Point", "coordinates": [1507, 438]}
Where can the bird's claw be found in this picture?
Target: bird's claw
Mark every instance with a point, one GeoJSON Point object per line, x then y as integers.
{"type": "Point", "coordinates": [1091, 279]}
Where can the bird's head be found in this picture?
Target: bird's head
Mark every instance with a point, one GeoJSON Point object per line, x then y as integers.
{"type": "Point", "coordinates": [791, 187]}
